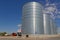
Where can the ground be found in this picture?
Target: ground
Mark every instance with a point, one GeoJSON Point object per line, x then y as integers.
{"type": "Point", "coordinates": [46, 37]}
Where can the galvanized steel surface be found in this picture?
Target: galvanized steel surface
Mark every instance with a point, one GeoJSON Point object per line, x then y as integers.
{"type": "Point", "coordinates": [32, 18]}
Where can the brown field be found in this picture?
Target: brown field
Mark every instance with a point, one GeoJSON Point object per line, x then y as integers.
{"type": "Point", "coordinates": [41, 37]}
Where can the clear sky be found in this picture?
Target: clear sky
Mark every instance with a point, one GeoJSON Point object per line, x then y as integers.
{"type": "Point", "coordinates": [11, 13]}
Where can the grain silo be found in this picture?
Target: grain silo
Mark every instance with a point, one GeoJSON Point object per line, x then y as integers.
{"type": "Point", "coordinates": [32, 18]}
{"type": "Point", "coordinates": [47, 29]}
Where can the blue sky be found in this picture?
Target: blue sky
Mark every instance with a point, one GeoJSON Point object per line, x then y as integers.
{"type": "Point", "coordinates": [11, 13]}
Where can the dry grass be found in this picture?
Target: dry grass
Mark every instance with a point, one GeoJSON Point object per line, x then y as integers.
{"type": "Point", "coordinates": [45, 37]}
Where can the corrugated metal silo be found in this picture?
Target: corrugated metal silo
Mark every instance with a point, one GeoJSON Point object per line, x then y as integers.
{"type": "Point", "coordinates": [47, 29]}
{"type": "Point", "coordinates": [32, 18]}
